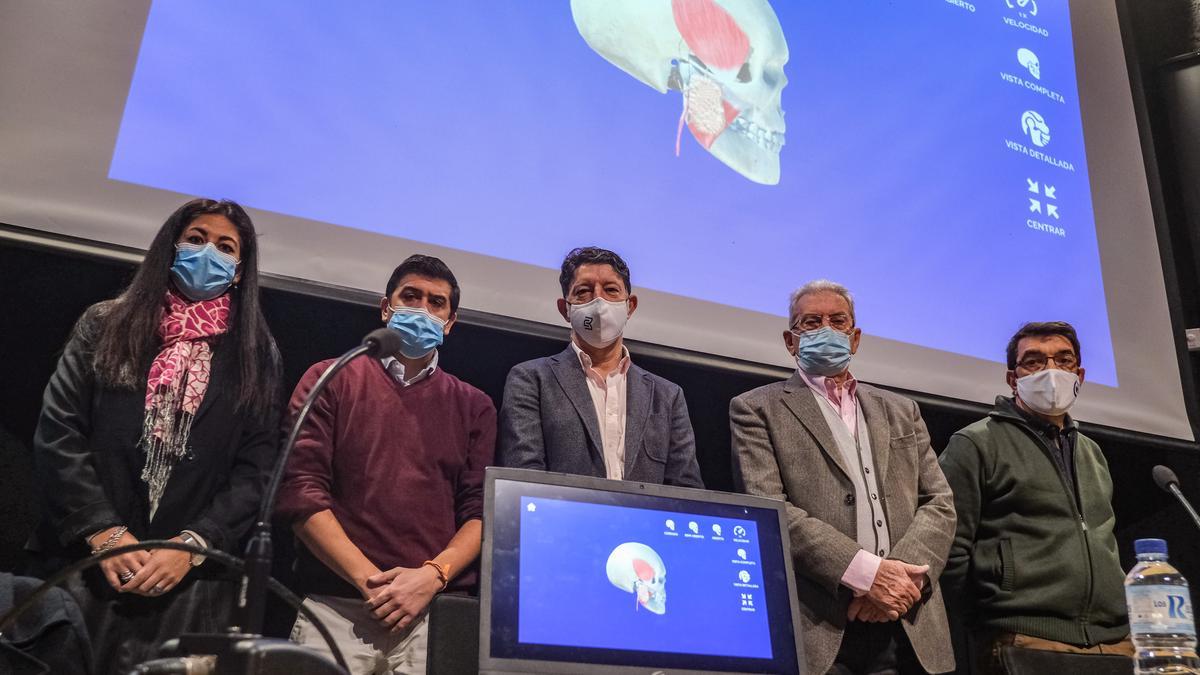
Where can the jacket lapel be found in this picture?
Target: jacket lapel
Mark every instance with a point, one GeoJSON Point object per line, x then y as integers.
{"type": "Point", "coordinates": [878, 430]}
{"type": "Point", "coordinates": [569, 373]}
{"type": "Point", "coordinates": [639, 391]}
{"type": "Point", "coordinates": [802, 402]}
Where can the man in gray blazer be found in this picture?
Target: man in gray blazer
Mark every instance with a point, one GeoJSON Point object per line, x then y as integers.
{"type": "Point", "coordinates": [870, 514]}
{"type": "Point", "coordinates": [589, 410]}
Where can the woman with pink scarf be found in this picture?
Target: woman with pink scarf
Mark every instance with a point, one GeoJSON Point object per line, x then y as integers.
{"type": "Point", "coordinates": [160, 422]}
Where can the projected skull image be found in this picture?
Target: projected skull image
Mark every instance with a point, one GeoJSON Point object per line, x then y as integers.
{"type": "Point", "coordinates": [638, 569]}
{"type": "Point", "coordinates": [725, 57]}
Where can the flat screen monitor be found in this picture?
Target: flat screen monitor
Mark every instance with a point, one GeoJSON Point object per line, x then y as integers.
{"type": "Point", "coordinates": [586, 575]}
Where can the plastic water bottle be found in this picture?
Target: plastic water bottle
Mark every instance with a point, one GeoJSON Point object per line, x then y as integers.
{"type": "Point", "coordinates": [1160, 612]}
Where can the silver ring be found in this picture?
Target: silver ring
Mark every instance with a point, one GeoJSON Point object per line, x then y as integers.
{"type": "Point", "coordinates": [125, 576]}
{"type": "Point", "coordinates": [159, 589]}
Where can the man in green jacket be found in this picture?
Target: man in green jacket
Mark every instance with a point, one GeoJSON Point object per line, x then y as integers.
{"type": "Point", "coordinates": [1034, 561]}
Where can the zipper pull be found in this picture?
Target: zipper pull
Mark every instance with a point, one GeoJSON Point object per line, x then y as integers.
{"type": "Point", "coordinates": [1083, 523]}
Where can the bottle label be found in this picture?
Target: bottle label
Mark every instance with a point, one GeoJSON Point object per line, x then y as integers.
{"type": "Point", "coordinates": [1159, 609]}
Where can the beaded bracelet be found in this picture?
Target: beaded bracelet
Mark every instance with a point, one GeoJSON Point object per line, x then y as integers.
{"type": "Point", "coordinates": [111, 541]}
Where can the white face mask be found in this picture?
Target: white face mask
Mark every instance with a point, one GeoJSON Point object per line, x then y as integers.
{"type": "Point", "coordinates": [1050, 391]}
{"type": "Point", "coordinates": [599, 322]}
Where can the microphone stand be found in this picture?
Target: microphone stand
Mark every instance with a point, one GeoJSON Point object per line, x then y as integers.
{"type": "Point", "coordinates": [1166, 479]}
{"type": "Point", "coordinates": [252, 601]}
{"type": "Point", "coordinates": [245, 642]}
{"type": "Point", "coordinates": [1173, 488]}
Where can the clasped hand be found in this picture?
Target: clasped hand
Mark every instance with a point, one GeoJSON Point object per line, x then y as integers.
{"type": "Point", "coordinates": [398, 596]}
{"type": "Point", "coordinates": [149, 573]}
{"type": "Point", "coordinates": [896, 588]}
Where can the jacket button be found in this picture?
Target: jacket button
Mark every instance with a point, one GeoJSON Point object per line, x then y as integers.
{"type": "Point", "coordinates": [849, 499]}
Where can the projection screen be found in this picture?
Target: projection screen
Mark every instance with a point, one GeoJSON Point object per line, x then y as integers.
{"type": "Point", "coordinates": [963, 167]}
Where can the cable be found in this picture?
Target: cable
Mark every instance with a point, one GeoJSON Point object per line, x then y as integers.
{"type": "Point", "coordinates": [221, 557]}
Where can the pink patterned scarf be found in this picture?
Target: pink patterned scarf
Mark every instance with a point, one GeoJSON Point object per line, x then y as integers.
{"type": "Point", "coordinates": [177, 382]}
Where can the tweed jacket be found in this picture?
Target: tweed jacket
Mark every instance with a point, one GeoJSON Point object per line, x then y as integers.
{"type": "Point", "coordinates": [783, 448]}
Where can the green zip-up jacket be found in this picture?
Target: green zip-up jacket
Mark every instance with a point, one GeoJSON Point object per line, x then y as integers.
{"type": "Point", "coordinates": [1027, 557]}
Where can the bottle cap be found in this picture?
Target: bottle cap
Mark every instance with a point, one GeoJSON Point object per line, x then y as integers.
{"type": "Point", "coordinates": [1150, 546]}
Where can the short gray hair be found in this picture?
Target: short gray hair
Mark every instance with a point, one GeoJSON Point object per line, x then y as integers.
{"type": "Point", "coordinates": [819, 286]}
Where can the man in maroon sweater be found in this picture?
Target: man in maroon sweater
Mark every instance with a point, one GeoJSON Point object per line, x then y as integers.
{"type": "Point", "coordinates": [385, 484]}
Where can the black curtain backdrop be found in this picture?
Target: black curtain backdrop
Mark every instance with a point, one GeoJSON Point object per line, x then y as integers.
{"type": "Point", "coordinates": [43, 292]}
{"type": "Point", "coordinates": [56, 288]}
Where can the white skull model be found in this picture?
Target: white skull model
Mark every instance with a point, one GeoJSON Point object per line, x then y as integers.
{"type": "Point", "coordinates": [1030, 62]}
{"type": "Point", "coordinates": [636, 568]}
{"type": "Point", "coordinates": [725, 56]}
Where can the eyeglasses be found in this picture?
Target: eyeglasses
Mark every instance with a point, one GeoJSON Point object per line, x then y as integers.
{"type": "Point", "coordinates": [1035, 362]}
{"type": "Point", "coordinates": [839, 322]}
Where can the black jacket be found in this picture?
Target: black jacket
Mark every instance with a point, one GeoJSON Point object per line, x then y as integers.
{"type": "Point", "coordinates": [88, 462]}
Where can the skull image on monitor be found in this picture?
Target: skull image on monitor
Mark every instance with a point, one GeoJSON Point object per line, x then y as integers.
{"type": "Point", "coordinates": [726, 57]}
{"type": "Point", "coordinates": [636, 568]}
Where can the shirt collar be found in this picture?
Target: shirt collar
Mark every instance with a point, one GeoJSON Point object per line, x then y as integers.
{"type": "Point", "coordinates": [395, 368]}
{"type": "Point", "coordinates": [827, 387]}
{"type": "Point", "coordinates": [586, 361]}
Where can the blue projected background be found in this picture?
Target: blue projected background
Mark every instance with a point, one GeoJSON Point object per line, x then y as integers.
{"type": "Point", "coordinates": [566, 597]}
{"type": "Point", "coordinates": [930, 164]}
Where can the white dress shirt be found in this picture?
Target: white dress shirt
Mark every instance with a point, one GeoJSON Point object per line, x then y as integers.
{"type": "Point", "coordinates": [396, 369]}
{"type": "Point", "coordinates": [608, 397]}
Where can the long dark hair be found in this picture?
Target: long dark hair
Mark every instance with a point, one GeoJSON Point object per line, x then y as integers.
{"type": "Point", "coordinates": [127, 334]}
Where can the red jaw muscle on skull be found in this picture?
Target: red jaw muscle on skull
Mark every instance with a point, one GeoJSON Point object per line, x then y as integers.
{"type": "Point", "coordinates": [645, 573]}
{"type": "Point", "coordinates": [642, 569]}
{"type": "Point", "coordinates": [711, 33]}
{"type": "Point", "coordinates": [718, 42]}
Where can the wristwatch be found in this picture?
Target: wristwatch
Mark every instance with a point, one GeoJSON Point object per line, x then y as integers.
{"type": "Point", "coordinates": [189, 538]}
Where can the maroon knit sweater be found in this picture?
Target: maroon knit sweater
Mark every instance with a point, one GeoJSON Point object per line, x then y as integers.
{"type": "Point", "coordinates": [400, 467]}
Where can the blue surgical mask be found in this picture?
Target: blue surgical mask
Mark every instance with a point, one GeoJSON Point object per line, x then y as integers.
{"type": "Point", "coordinates": [201, 272]}
{"type": "Point", "coordinates": [823, 352]}
{"type": "Point", "coordinates": [420, 331]}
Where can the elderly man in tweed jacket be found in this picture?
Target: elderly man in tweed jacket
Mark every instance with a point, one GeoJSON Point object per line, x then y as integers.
{"type": "Point", "coordinates": [870, 514]}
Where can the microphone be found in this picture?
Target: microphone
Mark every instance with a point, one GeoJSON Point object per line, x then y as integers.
{"type": "Point", "coordinates": [1166, 479]}
{"type": "Point", "coordinates": [382, 342]}
{"type": "Point", "coordinates": [252, 600]}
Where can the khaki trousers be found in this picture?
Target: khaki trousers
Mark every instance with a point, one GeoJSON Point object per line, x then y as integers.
{"type": "Point", "coordinates": [988, 655]}
{"type": "Point", "coordinates": [368, 647]}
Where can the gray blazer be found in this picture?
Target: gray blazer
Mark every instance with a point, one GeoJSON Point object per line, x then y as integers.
{"type": "Point", "coordinates": [783, 448]}
{"type": "Point", "coordinates": [548, 422]}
